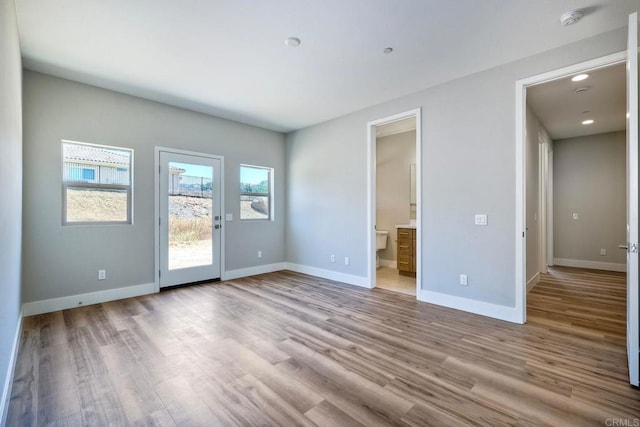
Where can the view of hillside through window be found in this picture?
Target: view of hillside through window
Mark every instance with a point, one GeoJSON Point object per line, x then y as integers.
{"type": "Point", "coordinates": [190, 215]}
{"type": "Point", "coordinates": [255, 192]}
{"type": "Point", "coordinates": [96, 183]}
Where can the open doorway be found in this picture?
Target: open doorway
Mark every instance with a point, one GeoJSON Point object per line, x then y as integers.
{"type": "Point", "coordinates": [523, 235]}
{"type": "Point", "coordinates": [394, 202]}
{"type": "Point", "coordinates": [575, 170]}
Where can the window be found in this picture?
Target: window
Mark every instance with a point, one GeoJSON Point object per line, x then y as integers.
{"type": "Point", "coordinates": [96, 184]}
{"type": "Point", "coordinates": [256, 192]}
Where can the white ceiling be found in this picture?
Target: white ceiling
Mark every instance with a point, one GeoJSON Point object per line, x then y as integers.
{"type": "Point", "coordinates": [561, 110]}
{"type": "Point", "coordinates": [398, 126]}
{"type": "Point", "coordinates": [227, 58]}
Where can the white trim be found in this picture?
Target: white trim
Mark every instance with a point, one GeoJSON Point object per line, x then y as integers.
{"type": "Point", "coordinates": [11, 367]}
{"type": "Point", "coordinates": [156, 206]}
{"type": "Point", "coordinates": [253, 271]}
{"type": "Point", "coordinates": [495, 311]}
{"type": "Point", "coordinates": [371, 196]}
{"type": "Point", "coordinates": [388, 263]}
{"type": "Point", "coordinates": [533, 281]}
{"type": "Point", "coordinates": [593, 265]}
{"type": "Point", "coordinates": [73, 301]}
{"type": "Point", "coordinates": [520, 159]}
{"type": "Point", "coordinates": [349, 279]}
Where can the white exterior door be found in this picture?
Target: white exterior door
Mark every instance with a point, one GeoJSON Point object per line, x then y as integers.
{"type": "Point", "coordinates": [633, 331]}
{"type": "Point", "coordinates": [190, 232]}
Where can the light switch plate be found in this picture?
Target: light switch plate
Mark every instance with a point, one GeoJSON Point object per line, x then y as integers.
{"type": "Point", "coordinates": [228, 217]}
{"type": "Point", "coordinates": [481, 219]}
{"type": "Point", "coordinates": [574, 215]}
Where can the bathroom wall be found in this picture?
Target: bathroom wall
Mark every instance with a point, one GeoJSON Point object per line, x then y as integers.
{"type": "Point", "coordinates": [394, 154]}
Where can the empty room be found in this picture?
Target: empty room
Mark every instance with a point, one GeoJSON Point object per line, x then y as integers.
{"type": "Point", "coordinates": [331, 213]}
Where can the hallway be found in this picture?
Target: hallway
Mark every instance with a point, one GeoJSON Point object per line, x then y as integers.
{"type": "Point", "coordinates": [583, 303]}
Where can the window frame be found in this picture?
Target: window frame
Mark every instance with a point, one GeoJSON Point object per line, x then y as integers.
{"type": "Point", "coordinates": [66, 185]}
{"type": "Point", "coordinates": [269, 195]}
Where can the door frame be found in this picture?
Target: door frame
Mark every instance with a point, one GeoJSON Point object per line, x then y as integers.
{"type": "Point", "coordinates": [545, 201]}
{"type": "Point", "coordinates": [520, 159]}
{"type": "Point", "coordinates": [371, 193]}
{"type": "Point", "coordinates": [156, 207]}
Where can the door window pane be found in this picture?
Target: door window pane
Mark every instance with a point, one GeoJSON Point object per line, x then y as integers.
{"type": "Point", "coordinates": [190, 215]}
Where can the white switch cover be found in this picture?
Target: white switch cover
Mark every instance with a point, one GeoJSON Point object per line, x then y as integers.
{"type": "Point", "coordinates": [259, 254]}
{"type": "Point", "coordinates": [228, 217]}
{"type": "Point", "coordinates": [603, 252]}
{"type": "Point", "coordinates": [574, 215]}
{"type": "Point", "coordinates": [463, 279]}
{"type": "Point", "coordinates": [102, 274]}
{"type": "Point", "coordinates": [481, 219]}
{"type": "Point", "coordinates": [347, 261]}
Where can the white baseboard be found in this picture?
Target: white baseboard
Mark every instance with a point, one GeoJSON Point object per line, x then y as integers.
{"type": "Point", "coordinates": [331, 275]}
{"type": "Point", "coordinates": [533, 281]}
{"type": "Point", "coordinates": [252, 271]}
{"type": "Point", "coordinates": [56, 304]}
{"type": "Point", "coordinates": [6, 390]}
{"type": "Point", "coordinates": [500, 312]}
{"type": "Point", "coordinates": [594, 265]}
{"type": "Point", "coordinates": [388, 263]}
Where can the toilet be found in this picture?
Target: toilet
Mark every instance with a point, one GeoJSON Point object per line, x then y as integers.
{"type": "Point", "coordinates": [381, 243]}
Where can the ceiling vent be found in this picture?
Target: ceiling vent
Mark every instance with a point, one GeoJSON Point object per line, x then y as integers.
{"type": "Point", "coordinates": [571, 17]}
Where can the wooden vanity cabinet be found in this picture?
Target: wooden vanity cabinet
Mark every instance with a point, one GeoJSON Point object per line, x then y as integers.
{"type": "Point", "coordinates": [407, 251]}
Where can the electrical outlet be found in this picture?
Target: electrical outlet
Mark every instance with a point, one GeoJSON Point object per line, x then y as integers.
{"type": "Point", "coordinates": [347, 261]}
{"type": "Point", "coordinates": [332, 258]}
{"type": "Point", "coordinates": [102, 274]}
{"type": "Point", "coordinates": [259, 254]}
{"type": "Point", "coordinates": [463, 279]}
{"type": "Point", "coordinates": [603, 252]}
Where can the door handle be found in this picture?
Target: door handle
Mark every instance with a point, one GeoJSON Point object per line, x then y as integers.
{"type": "Point", "coordinates": [217, 226]}
{"type": "Point", "coordinates": [633, 249]}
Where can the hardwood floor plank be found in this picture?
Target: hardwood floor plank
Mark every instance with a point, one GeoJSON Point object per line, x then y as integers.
{"type": "Point", "coordinates": [289, 349]}
{"type": "Point", "coordinates": [324, 414]}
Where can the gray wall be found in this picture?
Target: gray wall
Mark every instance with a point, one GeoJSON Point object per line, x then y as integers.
{"type": "Point", "coordinates": [468, 159]}
{"type": "Point", "coordinates": [10, 188]}
{"type": "Point", "coordinates": [590, 179]}
{"type": "Point", "coordinates": [534, 127]}
{"type": "Point", "coordinates": [63, 261]}
{"type": "Point", "coordinates": [394, 154]}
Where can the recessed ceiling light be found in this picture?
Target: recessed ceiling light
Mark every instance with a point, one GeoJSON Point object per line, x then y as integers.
{"type": "Point", "coordinates": [571, 17]}
{"type": "Point", "coordinates": [587, 122]}
{"type": "Point", "coordinates": [387, 50]}
{"type": "Point", "coordinates": [292, 42]}
{"type": "Point", "coordinates": [579, 77]}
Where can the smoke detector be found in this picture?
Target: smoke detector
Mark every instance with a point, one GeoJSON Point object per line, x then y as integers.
{"type": "Point", "coordinates": [571, 17]}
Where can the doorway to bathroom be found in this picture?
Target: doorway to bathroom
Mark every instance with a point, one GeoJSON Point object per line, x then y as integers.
{"type": "Point", "coordinates": [394, 202]}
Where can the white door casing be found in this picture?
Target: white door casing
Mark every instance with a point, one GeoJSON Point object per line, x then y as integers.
{"type": "Point", "coordinates": [199, 260]}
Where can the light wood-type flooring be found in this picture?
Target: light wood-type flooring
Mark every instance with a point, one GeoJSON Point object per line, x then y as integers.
{"type": "Point", "coordinates": [288, 349]}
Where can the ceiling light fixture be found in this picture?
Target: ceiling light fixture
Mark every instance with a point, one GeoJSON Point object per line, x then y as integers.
{"type": "Point", "coordinates": [292, 42]}
{"type": "Point", "coordinates": [571, 17]}
{"type": "Point", "coordinates": [579, 77]}
{"type": "Point", "coordinates": [587, 122]}
{"type": "Point", "coordinates": [387, 50]}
